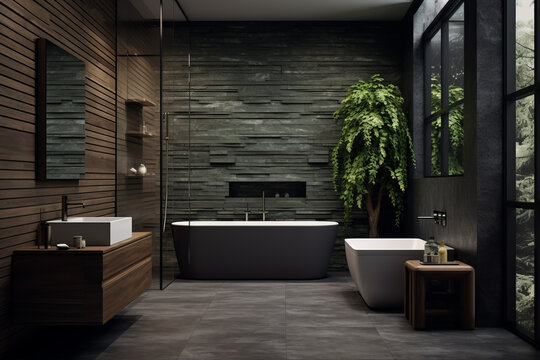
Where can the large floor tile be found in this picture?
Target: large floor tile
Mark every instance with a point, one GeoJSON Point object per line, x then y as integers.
{"type": "Point", "coordinates": [166, 309]}
{"type": "Point", "coordinates": [229, 317]}
{"type": "Point", "coordinates": [173, 329]}
{"type": "Point", "coordinates": [342, 343]}
{"type": "Point", "coordinates": [236, 333]}
{"type": "Point", "coordinates": [326, 315]}
{"type": "Point", "coordinates": [144, 349]}
{"type": "Point", "coordinates": [266, 350]}
{"type": "Point", "coordinates": [206, 285]}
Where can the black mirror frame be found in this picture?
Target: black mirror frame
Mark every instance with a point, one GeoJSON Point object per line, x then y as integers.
{"type": "Point", "coordinates": [41, 109]}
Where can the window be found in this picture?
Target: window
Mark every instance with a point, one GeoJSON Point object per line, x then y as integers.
{"type": "Point", "coordinates": [444, 97]}
{"type": "Point", "coordinates": [521, 154]}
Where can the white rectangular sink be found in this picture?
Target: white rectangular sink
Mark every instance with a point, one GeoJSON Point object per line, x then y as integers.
{"type": "Point", "coordinates": [97, 231]}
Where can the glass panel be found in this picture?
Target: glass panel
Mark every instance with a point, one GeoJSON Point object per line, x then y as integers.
{"type": "Point", "coordinates": [525, 149]}
{"type": "Point", "coordinates": [138, 125]}
{"type": "Point", "coordinates": [455, 129]}
{"type": "Point", "coordinates": [436, 153]}
{"type": "Point", "coordinates": [175, 133]}
{"type": "Point", "coordinates": [434, 49]}
{"type": "Point", "coordinates": [525, 271]}
{"type": "Point", "coordinates": [456, 32]}
{"type": "Point", "coordinates": [524, 43]}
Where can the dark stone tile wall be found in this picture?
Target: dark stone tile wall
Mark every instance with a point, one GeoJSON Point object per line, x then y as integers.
{"type": "Point", "coordinates": [473, 202]}
{"type": "Point", "coordinates": [262, 99]}
{"type": "Point", "coordinates": [489, 147]}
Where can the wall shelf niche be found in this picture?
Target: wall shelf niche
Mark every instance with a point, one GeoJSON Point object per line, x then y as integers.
{"type": "Point", "coordinates": [137, 131]}
{"type": "Point", "coordinates": [131, 175]}
{"type": "Point", "coordinates": [140, 134]}
{"type": "Point", "coordinates": [140, 102]}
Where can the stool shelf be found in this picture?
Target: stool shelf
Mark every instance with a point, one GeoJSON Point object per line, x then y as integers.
{"type": "Point", "coordinates": [417, 277]}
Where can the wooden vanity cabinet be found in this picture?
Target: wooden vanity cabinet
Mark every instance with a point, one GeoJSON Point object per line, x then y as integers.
{"type": "Point", "coordinates": [80, 286]}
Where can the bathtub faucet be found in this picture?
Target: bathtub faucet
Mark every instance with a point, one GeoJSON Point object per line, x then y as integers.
{"type": "Point", "coordinates": [263, 212]}
{"type": "Point", "coordinates": [247, 211]}
{"type": "Point", "coordinates": [263, 209]}
{"type": "Point", "coordinates": [439, 217]}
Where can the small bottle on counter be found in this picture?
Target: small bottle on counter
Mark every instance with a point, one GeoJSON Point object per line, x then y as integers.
{"type": "Point", "coordinates": [430, 251]}
{"type": "Point", "coordinates": [443, 254]}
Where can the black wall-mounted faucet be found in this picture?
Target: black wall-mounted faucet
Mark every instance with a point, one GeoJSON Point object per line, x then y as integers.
{"type": "Point", "coordinates": [439, 217]}
{"type": "Point", "coordinates": [65, 205]}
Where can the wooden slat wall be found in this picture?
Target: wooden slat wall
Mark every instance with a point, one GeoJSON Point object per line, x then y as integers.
{"type": "Point", "coordinates": [85, 28]}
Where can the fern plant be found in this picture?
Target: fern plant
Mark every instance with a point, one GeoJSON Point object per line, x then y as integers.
{"type": "Point", "coordinates": [371, 157]}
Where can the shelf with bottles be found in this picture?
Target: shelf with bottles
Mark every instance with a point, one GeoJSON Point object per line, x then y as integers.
{"type": "Point", "coordinates": [143, 131]}
{"type": "Point", "coordinates": [137, 126]}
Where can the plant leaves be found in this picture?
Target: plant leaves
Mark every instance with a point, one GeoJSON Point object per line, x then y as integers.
{"type": "Point", "coordinates": [375, 145]}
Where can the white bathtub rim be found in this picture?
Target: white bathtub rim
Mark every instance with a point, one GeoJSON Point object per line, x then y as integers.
{"type": "Point", "coordinates": [377, 244]}
{"type": "Point", "coordinates": [270, 223]}
{"type": "Point", "coordinates": [355, 245]}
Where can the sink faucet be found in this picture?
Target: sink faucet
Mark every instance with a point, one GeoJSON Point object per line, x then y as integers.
{"type": "Point", "coordinates": [65, 205]}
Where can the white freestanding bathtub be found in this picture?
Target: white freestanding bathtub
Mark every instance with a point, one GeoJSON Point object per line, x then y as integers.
{"type": "Point", "coordinates": [377, 268]}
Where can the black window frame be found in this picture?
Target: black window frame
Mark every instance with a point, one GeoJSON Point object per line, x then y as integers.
{"type": "Point", "coordinates": [440, 22]}
{"type": "Point", "coordinates": [511, 96]}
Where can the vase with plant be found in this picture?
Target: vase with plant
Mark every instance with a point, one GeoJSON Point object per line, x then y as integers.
{"type": "Point", "coordinates": [373, 152]}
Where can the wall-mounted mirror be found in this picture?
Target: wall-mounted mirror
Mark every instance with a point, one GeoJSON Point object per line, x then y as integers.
{"type": "Point", "coordinates": [60, 109]}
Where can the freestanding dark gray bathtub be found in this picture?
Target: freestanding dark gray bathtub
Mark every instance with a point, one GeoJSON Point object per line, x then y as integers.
{"type": "Point", "coordinates": [254, 249]}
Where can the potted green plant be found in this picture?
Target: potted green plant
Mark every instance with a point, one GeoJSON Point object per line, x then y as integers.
{"type": "Point", "coordinates": [371, 157]}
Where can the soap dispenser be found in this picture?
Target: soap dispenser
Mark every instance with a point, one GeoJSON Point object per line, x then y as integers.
{"type": "Point", "coordinates": [443, 254]}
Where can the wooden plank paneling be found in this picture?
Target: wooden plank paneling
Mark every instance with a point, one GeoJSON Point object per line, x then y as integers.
{"type": "Point", "coordinates": [87, 30]}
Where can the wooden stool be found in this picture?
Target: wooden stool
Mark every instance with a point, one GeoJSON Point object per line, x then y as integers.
{"type": "Point", "coordinates": [416, 276]}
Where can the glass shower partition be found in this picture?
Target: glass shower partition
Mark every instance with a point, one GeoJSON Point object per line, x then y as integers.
{"type": "Point", "coordinates": [138, 123]}
{"type": "Point", "coordinates": [152, 125]}
{"type": "Point", "coordinates": [175, 127]}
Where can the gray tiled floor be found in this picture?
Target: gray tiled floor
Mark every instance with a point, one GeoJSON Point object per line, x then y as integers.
{"type": "Point", "coordinates": [322, 319]}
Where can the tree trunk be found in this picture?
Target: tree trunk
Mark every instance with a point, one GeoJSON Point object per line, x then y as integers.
{"type": "Point", "coordinates": [374, 211]}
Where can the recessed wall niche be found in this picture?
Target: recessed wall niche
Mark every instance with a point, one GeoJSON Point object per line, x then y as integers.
{"type": "Point", "coordinates": [276, 189]}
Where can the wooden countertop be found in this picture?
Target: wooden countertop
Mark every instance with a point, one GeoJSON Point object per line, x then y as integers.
{"type": "Point", "coordinates": [136, 236]}
{"type": "Point", "coordinates": [414, 265]}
